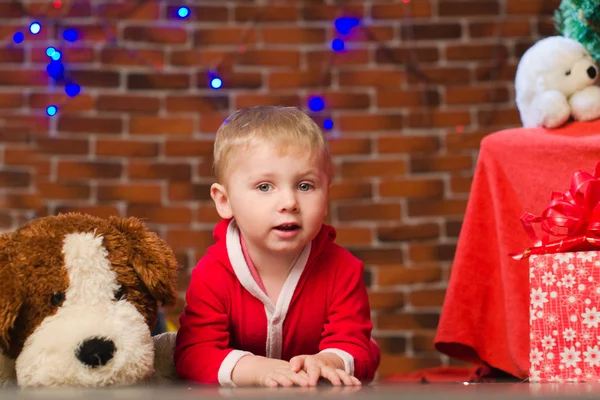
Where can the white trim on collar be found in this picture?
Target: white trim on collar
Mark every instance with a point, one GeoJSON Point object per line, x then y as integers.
{"type": "Point", "coordinates": [275, 313]}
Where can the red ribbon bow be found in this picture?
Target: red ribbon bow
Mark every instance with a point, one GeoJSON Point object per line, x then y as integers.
{"type": "Point", "coordinates": [573, 217]}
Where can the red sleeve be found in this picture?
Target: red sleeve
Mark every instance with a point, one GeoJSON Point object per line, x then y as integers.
{"type": "Point", "coordinates": [349, 325]}
{"type": "Point", "coordinates": [203, 337]}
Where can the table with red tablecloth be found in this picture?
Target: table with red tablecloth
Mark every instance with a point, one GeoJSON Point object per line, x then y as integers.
{"type": "Point", "coordinates": [485, 317]}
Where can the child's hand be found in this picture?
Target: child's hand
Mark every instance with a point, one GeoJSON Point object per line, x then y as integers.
{"type": "Point", "coordinates": [326, 365]}
{"type": "Point", "coordinates": [273, 373]}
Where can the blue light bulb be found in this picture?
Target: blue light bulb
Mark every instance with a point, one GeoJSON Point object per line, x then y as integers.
{"type": "Point", "coordinates": [316, 103]}
{"type": "Point", "coordinates": [51, 111]}
{"type": "Point", "coordinates": [18, 37]}
{"type": "Point", "coordinates": [35, 28]}
{"type": "Point", "coordinates": [337, 44]}
{"type": "Point", "coordinates": [216, 83]}
{"type": "Point", "coordinates": [328, 124]}
{"type": "Point", "coordinates": [70, 35]}
{"type": "Point", "coordinates": [183, 12]}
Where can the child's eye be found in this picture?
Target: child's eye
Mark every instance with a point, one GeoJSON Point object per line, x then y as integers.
{"type": "Point", "coordinates": [264, 187]}
{"type": "Point", "coordinates": [305, 187]}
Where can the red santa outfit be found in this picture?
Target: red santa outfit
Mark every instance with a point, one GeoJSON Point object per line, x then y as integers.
{"type": "Point", "coordinates": [322, 307]}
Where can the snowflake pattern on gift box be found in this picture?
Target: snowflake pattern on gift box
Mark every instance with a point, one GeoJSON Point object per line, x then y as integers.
{"type": "Point", "coordinates": [565, 317]}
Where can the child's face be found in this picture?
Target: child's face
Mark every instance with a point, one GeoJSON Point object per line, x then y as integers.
{"type": "Point", "coordinates": [278, 198]}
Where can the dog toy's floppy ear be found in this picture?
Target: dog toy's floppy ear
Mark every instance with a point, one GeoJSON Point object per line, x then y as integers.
{"type": "Point", "coordinates": [11, 292]}
{"type": "Point", "coordinates": [152, 258]}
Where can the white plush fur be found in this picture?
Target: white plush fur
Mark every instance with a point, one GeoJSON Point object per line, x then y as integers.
{"type": "Point", "coordinates": [89, 311]}
{"type": "Point", "coordinates": [552, 84]}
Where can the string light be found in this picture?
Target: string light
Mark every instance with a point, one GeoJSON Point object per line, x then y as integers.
{"type": "Point", "coordinates": [70, 35]}
{"type": "Point", "coordinates": [51, 111]}
{"type": "Point", "coordinates": [316, 103]}
{"type": "Point", "coordinates": [183, 12]}
{"type": "Point", "coordinates": [35, 28]}
{"type": "Point", "coordinates": [328, 124]}
{"type": "Point", "coordinates": [337, 44]}
{"type": "Point", "coordinates": [57, 3]}
{"type": "Point", "coordinates": [72, 89]}
{"type": "Point", "coordinates": [18, 37]}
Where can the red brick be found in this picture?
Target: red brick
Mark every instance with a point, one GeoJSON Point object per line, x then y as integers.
{"type": "Point", "coordinates": [465, 140]}
{"type": "Point", "coordinates": [14, 179]}
{"type": "Point", "coordinates": [196, 103]}
{"type": "Point", "coordinates": [95, 78]}
{"type": "Point", "coordinates": [441, 163]}
{"type": "Point", "coordinates": [140, 57]}
{"type": "Point", "coordinates": [155, 34]}
{"type": "Point", "coordinates": [132, 193]}
{"type": "Point", "coordinates": [63, 191]}
{"type": "Point", "coordinates": [12, 10]}
{"type": "Point", "coordinates": [412, 188]}
{"type": "Point", "coordinates": [428, 31]}
{"type": "Point", "coordinates": [264, 14]}
{"type": "Point", "coordinates": [423, 342]}
{"type": "Point", "coordinates": [424, 252]}
{"type": "Point", "coordinates": [477, 95]}
{"type": "Point", "coordinates": [438, 119]}
{"type": "Point", "coordinates": [350, 235]}
{"type": "Point", "coordinates": [75, 54]}
{"type": "Point", "coordinates": [200, 58]}
{"type": "Point", "coordinates": [532, 7]}
{"type": "Point", "coordinates": [231, 79]}
{"type": "Point", "coordinates": [391, 344]}
{"type": "Point", "coordinates": [370, 168]}
{"type": "Point", "coordinates": [368, 122]}
{"type": "Point", "coordinates": [408, 98]}
{"type": "Point", "coordinates": [298, 79]}
{"type": "Point", "coordinates": [188, 148]}
{"type": "Point", "coordinates": [498, 71]}
{"type": "Point", "coordinates": [90, 124]}
{"type": "Point", "coordinates": [369, 212]}
{"type": "Point", "coordinates": [128, 103]}
{"type": "Point", "coordinates": [312, 11]}
{"type": "Point", "coordinates": [130, 11]}
{"type": "Point", "coordinates": [472, 52]}
{"type": "Point", "coordinates": [207, 214]}
{"type": "Point", "coordinates": [500, 28]}
{"type": "Point", "coordinates": [85, 170]}
{"type": "Point", "coordinates": [497, 117]}
{"type": "Point", "coordinates": [441, 75]}
{"type": "Point", "coordinates": [270, 58]}
{"type": "Point", "coordinates": [433, 208]}
{"type": "Point", "coordinates": [403, 364]}
{"type": "Point", "coordinates": [346, 101]}
{"type": "Point", "coordinates": [63, 146]}
{"type": "Point", "coordinates": [407, 144]}
{"type": "Point", "coordinates": [98, 211]}
{"type": "Point", "coordinates": [224, 36]}
{"type": "Point", "coordinates": [324, 59]}
{"type": "Point", "coordinates": [160, 214]}
{"type": "Point", "coordinates": [461, 184]}
{"type": "Point", "coordinates": [205, 13]}
{"type": "Point", "coordinates": [392, 275]}
{"type": "Point", "coordinates": [339, 147]}
{"type": "Point", "coordinates": [249, 100]}
{"type": "Point", "coordinates": [146, 125]}
{"type": "Point", "coordinates": [126, 148]}
{"type": "Point", "coordinates": [11, 100]}
{"type": "Point", "coordinates": [406, 232]}
{"type": "Point", "coordinates": [95, 32]}
{"type": "Point", "coordinates": [172, 172]}
{"type": "Point", "coordinates": [18, 201]}
{"type": "Point", "coordinates": [293, 35]}
{"type": "Point", "coordinates": [81, 102]}
{"type": "Point", "coordinates": [464, 8]}
{"type": "Point", "coordinates": [378, 255]}
{"type": "Point", "coordinates": [427, 298]}
{"type": "Point", "coordinates": [12, 55]}
{"type": "Point", "coordinates": [388, 300]}
{"type": "Point", "coordinates": [182, 239]}
{"type": "Point", "coordinates": [345, 191]}
{"type": "Point", "coordinates": [23, 77]}
{"type": "Point", "coordinates": [412, 9]}
{"type": "Point", "coordinates": [173, 81]}
{"type": "Point", "coordinates": [379, 78]}
{"type": "Point", "coordinates": [407, 321]}
{"type": "Point", "coordinates": [209, 123]}
{"type": "Point", "coordinates": [189, 191]}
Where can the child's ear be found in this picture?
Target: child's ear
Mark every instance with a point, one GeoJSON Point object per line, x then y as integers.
{"type": "Point", "coordinates": [219, 196]}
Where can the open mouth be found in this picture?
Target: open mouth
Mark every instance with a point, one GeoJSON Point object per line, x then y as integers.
{"type": "Point", "coordinates": [287, 227]}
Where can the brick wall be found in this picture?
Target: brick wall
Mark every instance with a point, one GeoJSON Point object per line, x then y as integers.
{"type": "Point", "coordinates": [411, 100]}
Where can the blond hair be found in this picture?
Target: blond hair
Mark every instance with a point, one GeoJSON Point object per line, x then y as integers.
{"type": "Point", "coordinates": [287, 127]}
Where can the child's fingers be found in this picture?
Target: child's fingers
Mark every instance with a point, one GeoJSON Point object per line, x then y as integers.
{"type": "Point", "coordinates": [296, 363]}
{"type": "Point", "coordinates": [283, 380]}
{"type": "Point", "coordinates": [345, 378]}
{"type": "Point", "coordinates": [314, 373]}
{"type": "Point", "coordinates": [299, 379]}
{"type": "Point", "coordinates": [332, 375]}
{"type": "Point", "coordinates": [356, 381]}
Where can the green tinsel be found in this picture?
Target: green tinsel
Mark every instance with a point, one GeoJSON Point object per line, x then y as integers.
{"type": "Point", "coordinates": [580, 20]}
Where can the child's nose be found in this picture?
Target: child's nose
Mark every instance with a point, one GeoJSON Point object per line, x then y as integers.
{"type": "Point", "coordinates": [289, 202]}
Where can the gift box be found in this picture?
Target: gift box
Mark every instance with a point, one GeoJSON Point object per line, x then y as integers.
{"type": "Point", "coordinates": [564, 278]}
{"type": "Point", "coordinates": [564, 317]}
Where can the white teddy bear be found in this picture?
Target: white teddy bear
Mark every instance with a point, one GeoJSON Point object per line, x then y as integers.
{"type": "Point", "coordinates": [555, 80]}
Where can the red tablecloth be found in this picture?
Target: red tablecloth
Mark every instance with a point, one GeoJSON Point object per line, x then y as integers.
{"type": "Point", "coordinates": [485, 317]}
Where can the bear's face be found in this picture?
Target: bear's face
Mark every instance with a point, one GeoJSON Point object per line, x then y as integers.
{"type": "Point", "coordinates": [78, 302]}
{"type": "Point", "coordinates": [558, 63]}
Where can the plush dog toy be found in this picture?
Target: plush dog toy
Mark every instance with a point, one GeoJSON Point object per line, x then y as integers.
{"type": "Point", "coordinates": [555, 81]}
{"type": "Point", "coordinates": [78, 297]}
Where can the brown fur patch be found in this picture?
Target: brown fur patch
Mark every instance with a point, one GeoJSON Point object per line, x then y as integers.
{"type": "Point", "coordinates": [32, 270]}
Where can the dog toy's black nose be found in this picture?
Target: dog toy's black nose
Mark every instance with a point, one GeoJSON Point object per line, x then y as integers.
{"type": "Point", "coordinates": [591, 71]}
{"type": "Point", "coordinates": [96, 352]}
